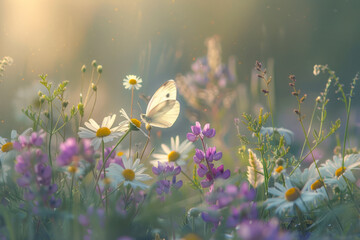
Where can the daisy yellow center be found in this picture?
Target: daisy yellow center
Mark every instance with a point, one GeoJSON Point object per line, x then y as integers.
{"type": "Point", "coordinates": [72, 169]}
{"type": "Point", "coordinates": [107, 181]}
{"type": "Point", "coordinates": [292, 194]}
{"type": "Point", "coordinates": [132, 81]}
{"type": "Point", "coordinates": [317, 184]}
{"type": "Point", "coordinates": [128, 174]}
{"type": "Point", "coordinates": [191, 236]}
{"type": "Point", "coordinates": [173, 156]}
{"type": "Point", "coordinates": [279, 169]}
{"type": "Point", "coordinates": [119, 154]}
{"type": "Point", "coordinates": [136, 122]}
{"type": "Point", "coordinates": [7, 147]}
{"type": "Point", "coordinates": [340, 171]}
{"type": "Point", "coordinates": [103, 132]}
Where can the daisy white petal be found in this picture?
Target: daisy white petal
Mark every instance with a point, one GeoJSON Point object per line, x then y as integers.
{"type": "Point", "coordinates": [173, 153]}
{"type": "Point", "coordinates": [98, 134]}
{"type": "Point", "coordinates": [131, 175]}
{"type": "Point", "coordinates": [132, 81]}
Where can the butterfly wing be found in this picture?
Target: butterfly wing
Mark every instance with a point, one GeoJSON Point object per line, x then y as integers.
{"type": "Point", "coordinates": [166, 92]}
{"type": "Point", "coordinates": [164, 114]}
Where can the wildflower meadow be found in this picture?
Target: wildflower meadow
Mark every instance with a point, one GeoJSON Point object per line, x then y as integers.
{"type": "Point", "coordinates": [235, 168]}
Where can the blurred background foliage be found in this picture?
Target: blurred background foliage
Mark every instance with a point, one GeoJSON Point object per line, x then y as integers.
{"type": "Point", "coordinates": [160, 39]}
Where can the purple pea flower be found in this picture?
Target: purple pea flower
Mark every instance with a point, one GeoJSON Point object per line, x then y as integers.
{"type": "Point", "coordinates": [253, 230]}
{"type": "Point", "coordinates": [35, 176]}
{"type": "Point", "coordinates": [199, 156]}
{"type": "Point", "coordinates": [211, 154]}
{"type": "Point", "coordinates": [197, 133]}
{"type": "Point", "coordinates": [163, 185]}
{"type": "Point", "coordinates": [208, 132]}
{"type": "Point", "coordinates": [166, 169]}
{"type": "Point", "coordinates": [36, 139]}
{"type": "Point", "coordinates": [71, 152]}
{"type": "Point", "coordinates": [229, 204]}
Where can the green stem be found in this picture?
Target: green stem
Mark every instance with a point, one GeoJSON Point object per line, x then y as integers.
{"type": "Point", "coordinates": [192, 181]}
{"type": "Point", "coordinates": [103, 157]}
{"type": "Point", "coordinates": [71, 190]}
{"type": "Point", "coordinates": [147, 142]}
{"type": "Point", "coordinates": [309, 129]}
{"type": "Point", "coordinates": [108, 156]}
{"type": "Point", "coordinates": [93, 107]}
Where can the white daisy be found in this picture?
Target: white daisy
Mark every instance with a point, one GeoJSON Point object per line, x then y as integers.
{"type": "Point", "coordinates": [132, 174]}
{"type": "Point", "coordinates": [333, 171]}
{"type": "Point", "coordinates": [97, 133]}
{"type": "Point", "coordinates": [7, 152]}
{"type": "Point", "coordinates": [176, 153]}
{"type": "Point", "coordinates": [132, 81]}
{"type": "Point", "coordinates": [285, 198]}
{"type": "Point", "coordinates": [301, 178]}
{"type": "Point", "coordinates": [132, 123]}
{"type": "Point", "coordinates": [278, 171]}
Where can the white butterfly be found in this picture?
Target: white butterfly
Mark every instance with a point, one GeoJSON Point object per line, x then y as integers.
{"type": "Point", "coordinates": [163, 108]}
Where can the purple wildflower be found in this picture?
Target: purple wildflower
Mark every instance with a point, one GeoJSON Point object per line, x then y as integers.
{"type": "Point", "coordinates": [209, 154]}
{"type": "Point", "coordinates": [163, 185]}
{"type": "Point", "coordinates": [36, 139]}
{"type": "Point", "coordinates": [72, 153]}
{"type": "Point", "coordinates": [237, 201]}
{"type": "Point", "coordinates": [199, 156]}
{"type": "Point", "coordinates": [35, 175]}
{"type": "Point", "coordinates": [254, 230]}
{"type": "Point", "coordinates": [196, 132]}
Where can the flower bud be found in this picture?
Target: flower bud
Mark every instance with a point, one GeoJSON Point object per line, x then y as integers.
{"type": "Point", "coordinates": [93, 63]}
{"type": "Point", "coordinates": [99, 69]}
{"type": "Point", "coordinates": [93, 87]}
{"type": "Point", "coordinates": [81, 109]}
{"type": "Point", "coordinates": [83, 68]}
{"type": "Point", "coordinates": [65, 104]}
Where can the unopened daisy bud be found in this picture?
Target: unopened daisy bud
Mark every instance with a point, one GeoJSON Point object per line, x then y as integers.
{"type": "Point", "coordinates": [93, 63]}
{"type": "Point", "coordinates": [83, 68]}
{"type": "Point", "coordinates": [81, 109]}
{"type": "Point", "coordinates": [194, 212]}
{"type": "Point", "coordinates": [295, 94]}
{"type": "Point", "coordinates": [99, 69]}
{"type": "Point", "coordinates": [93, 87]}
{"type": "Point", "coordinates": [337, 150]}
{"type": "Point", "coordinates": [40, 93]}
{"type": "Point", "coordinates": [318, 99]}
{"type": "Point", "coordinates": [65, 104]}
{"type": "Point", "coordinates": [47, 115]}
{"type": "Point", "coordinates": [291, 84]}
{"type": "Point", "coordinates": [72, 111]}
{"type": "Point", "coordinates": [42, 99]}
{"type": "Point", "coordinates": [280, 161]}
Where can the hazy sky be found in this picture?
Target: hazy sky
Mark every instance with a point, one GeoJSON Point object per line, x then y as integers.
{"type": "Point", "coordinates": [158, 39]}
